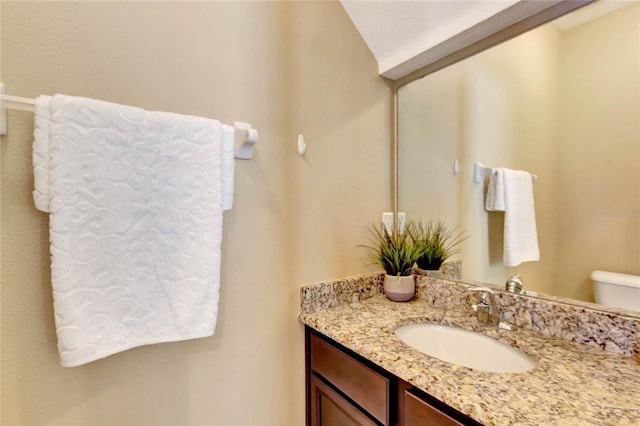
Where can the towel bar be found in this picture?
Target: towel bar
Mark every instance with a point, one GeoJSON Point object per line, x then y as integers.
{"type": "Point", "coordinates": [480, 172]}
{"type": "Point", "coordinates": [245, 136]}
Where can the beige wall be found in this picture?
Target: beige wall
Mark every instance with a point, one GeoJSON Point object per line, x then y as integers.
{"type": "Point", "coordinates": [599, 152]}
{"type": "Point", "coordinates": [563, 105]}
{"type": "Point", "coordinates": [286, 67]}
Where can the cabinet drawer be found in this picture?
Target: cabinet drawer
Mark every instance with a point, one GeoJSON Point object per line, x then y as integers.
{"type": "Point", "coordinates": [364, 386]}
{"type": "Point", "coordinates": [418, 413]}
{"type": "Point", "coordinates": [331, 409]}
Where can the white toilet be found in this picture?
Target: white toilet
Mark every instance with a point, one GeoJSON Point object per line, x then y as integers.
{"type": "Point", "coordinates": [618, 290]}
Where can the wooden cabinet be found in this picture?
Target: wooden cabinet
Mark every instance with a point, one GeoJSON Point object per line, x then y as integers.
{"type": "Point", "coordinates": [364, 386]}
{"type": "Point", "coordinates": [344, 389]}
{"type": "Point", "coordinates": [329, 408]}
{"type": "Point", "coordinates": [418, 412]}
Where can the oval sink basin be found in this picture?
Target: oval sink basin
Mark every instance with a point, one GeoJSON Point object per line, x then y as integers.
{"type": "Point", "coordinates": [463, 347]}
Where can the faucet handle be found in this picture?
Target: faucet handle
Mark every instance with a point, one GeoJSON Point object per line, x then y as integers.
{"type": "Point", "coordinates": [483, 292]}
{"type": "Point", "coordinates": [487, 310]}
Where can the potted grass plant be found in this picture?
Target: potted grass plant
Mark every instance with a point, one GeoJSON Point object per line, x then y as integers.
{"type": "Point", "coordinates": [434, 243]}
{"type": "Point", "coordinates": [396, 253]}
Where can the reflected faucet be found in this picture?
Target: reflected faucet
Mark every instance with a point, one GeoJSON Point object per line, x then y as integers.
{"type": "Point", "coordinates": [514, 284]}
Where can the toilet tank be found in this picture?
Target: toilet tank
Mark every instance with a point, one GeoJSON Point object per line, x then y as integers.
{"type": "Point", "coordinates": [618, 290]}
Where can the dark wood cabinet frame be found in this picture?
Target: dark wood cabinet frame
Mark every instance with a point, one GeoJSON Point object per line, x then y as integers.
{"type": "Point", "coordinates": [365, 392]}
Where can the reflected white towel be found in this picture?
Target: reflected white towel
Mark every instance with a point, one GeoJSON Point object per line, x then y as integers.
{"type": "Point", "coordinates": [520, 233]}
{"type": "Point", "coordinates": [495, 192]}
{"type": "Point", "coordinates": [136, 223]}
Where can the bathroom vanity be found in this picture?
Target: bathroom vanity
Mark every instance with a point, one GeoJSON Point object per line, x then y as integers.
{"type": "Point", "coordinates": [360, 372]}
{"type": "Point", "coordinates": [346, 389]}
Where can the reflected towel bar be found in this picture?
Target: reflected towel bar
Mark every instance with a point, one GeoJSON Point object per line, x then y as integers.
{"type": "Point", "coordinates": [480, 172]}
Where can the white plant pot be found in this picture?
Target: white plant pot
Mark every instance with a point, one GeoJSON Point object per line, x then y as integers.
{"type": "Point", "coordinates": [399, 289]}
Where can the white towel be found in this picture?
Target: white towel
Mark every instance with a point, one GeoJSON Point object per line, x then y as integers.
{"type": "Point", "coordinates": [40, 158]}
{"type": "Point", "coordinates": [228, 166]}
{"type": "Point", "coordinates": [136, 224]}
{"type": "Point", "coordinates": [495, 192]}
{"type": "Point", "coordinates": [520, 233]}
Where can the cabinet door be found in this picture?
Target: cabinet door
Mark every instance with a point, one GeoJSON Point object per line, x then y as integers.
{"type": "Point", "coordinates": [419, 413]}
{"type": "Point", "coordinates": [362, 385]}
{"type": "Point", "coordinates": [328, 408]}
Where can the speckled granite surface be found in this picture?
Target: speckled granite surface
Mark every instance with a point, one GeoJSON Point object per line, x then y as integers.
{"type": "Point", "coordinates": [321, 296]}
{"type": "Point", "coordinates": [574, 322]}
{"type": "Point", "coordinates": [573, 384]}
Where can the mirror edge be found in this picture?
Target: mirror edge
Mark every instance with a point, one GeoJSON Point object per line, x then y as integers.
{"type": "Point", "coordinates": [505, 25]}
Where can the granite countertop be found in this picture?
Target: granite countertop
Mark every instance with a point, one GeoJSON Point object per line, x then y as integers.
{"type": "Point", "coordinates": [573, 383]}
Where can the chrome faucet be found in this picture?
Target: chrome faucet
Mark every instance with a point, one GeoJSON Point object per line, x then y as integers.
{"type": "Point", "coordinates": [486, 308]}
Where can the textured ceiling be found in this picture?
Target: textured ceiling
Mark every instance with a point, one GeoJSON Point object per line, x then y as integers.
{"type": "Point", "coordinates": [401, 33]}
{"type": "Point", "coordinates": [397, 31]}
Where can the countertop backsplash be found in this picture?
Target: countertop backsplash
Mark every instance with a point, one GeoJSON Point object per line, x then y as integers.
{"type": "Point", "coordinates": [578, 323]}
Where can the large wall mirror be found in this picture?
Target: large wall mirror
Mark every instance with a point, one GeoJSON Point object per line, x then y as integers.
{"type": "Point", "coordinates": [561, 101]}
